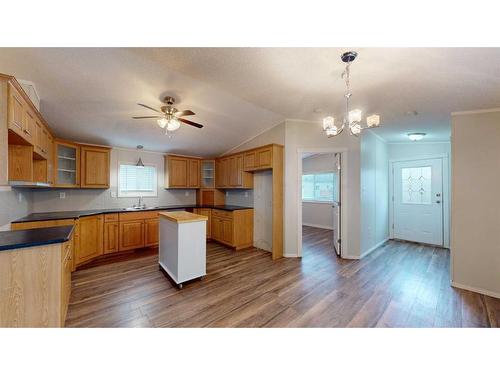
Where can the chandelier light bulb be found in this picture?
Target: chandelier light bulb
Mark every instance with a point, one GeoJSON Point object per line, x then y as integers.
{"type": "Point", "coordinates": [328, 122]}
{"type": "Point", "coordinates": [373, 121]}
{"type": "Point", "coordinates": [355, 116]}
{"type": "Point", "coordinates": [162, 122]}
{"type": "Point", "coordinates": [332, 131]}
{"type": "Point", "coordinates": [355, 129]}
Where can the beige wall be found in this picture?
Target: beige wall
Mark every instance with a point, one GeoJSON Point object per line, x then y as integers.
{"type": "Point", "coordinates": [475, 208]}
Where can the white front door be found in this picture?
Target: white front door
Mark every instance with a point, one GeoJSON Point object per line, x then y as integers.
{"type": "Point", "coordinates": [418, 196]}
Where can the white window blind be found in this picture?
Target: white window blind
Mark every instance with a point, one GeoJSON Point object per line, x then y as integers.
{"type": "Point", "coordinates": [319, 187]}
{"type": "Point", "coordinates": [137, 181]}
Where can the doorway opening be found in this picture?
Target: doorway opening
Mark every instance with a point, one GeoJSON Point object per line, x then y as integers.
{"type": "Point", "coordinates": [320, 207]}
{"type": "Point", "coordinates": [419, 200]}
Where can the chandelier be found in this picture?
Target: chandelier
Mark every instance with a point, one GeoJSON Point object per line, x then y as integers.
{"type": "Point", "coordinates": [352, 118]}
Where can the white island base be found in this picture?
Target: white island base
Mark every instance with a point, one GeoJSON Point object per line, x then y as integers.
{"type": "Point", "coordinates": [183, 248]}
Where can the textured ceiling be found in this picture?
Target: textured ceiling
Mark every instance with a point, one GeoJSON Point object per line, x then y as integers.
{"type": "Point", "coordinates": [90, 94]}
{"type": "Point", "coordinates": [392, 82]}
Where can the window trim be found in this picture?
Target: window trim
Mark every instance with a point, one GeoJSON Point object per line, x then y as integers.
{"type": "Point", "coordinates": [134, 194]}
{"type": "Point", "coordinates": [315, 173]}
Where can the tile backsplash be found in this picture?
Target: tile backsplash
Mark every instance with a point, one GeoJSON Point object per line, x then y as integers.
{"type": "Point", "coordinates": [14, 203]}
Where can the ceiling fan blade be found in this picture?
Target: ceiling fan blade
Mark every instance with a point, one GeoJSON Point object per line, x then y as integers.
{"type": "Point", "coordinates": [139, 117]}
{"type": "Point", "coordinates": [148, 107]}
{"type": "Point", "coordinates": [184, 113]}
{"type": "Point", "coordinates": [191, 123]}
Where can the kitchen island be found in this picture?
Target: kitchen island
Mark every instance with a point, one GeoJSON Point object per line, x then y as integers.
{"type": "Point", "coordinates": [183, 252]}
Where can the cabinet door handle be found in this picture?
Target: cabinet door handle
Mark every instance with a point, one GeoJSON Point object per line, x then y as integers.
{"type": "Point", "coordinates": [27, 132]}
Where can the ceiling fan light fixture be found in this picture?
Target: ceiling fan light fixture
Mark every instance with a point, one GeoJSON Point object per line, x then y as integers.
{"type": "Point", "coordinates": [173, 124]}
{"type": "Point", "coordinates": [162, 122]}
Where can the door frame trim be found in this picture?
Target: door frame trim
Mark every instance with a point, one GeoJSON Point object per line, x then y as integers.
{"type": "Point", "coordinates": [445, 158]}
{"type": "Point", "coordinates": [343, 197]}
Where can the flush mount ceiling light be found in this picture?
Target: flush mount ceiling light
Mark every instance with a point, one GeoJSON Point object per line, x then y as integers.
{"type": "Point", "coordinates": [416, 136]}
{"type": "Point", "coordinates": [352, 119]}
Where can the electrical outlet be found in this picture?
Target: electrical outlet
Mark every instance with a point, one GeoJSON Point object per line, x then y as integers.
{"type": "Point", "coordinates": [227, 193]}
{"type": "Point", "coordinates": [186, 193]}
{"type": "Point", "coordinates": [113, 194]}
{"type": "Point", "coordinates": [62, 195]}
{"type": "Point", "coordinates": [246, 194]}
{"type": "Point", "coordinates": [20, 197]}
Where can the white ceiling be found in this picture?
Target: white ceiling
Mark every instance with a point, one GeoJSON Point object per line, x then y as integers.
{"type": "Point", "coordinates": [90, 94]}
{"type": "Point", "coordinates": [388, 81]}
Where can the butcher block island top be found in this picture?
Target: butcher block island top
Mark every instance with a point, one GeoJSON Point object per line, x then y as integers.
{"type": "Point", "coordinates": [183, 217]}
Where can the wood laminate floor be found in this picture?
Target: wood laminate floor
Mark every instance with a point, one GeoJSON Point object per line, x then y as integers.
{"type": "Point", "coordinates": [398, 285]}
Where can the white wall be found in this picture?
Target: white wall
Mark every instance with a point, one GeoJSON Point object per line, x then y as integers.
{"type": "Point", "coordinates": [374, 192]}
{"type": "Point", "coordinates": [309, 136]}
{"type": "Point", "coordinates": [14, 203]}
{"type": "Point", "coordinates": [475, 210]}
{"type": "Point", "coordinates": [82, 199]}
{"type": "Point", "coordinates": [409, 150]}
{"type": "Point", "coordinates": [318, 214]}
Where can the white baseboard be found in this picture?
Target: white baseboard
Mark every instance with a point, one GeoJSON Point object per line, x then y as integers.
{"type": "Point", "coordinates": [351, 257]}
{"type": "Point", "coordinates": [317, 226]}
{"type": "Point", "coordinates": [373, 248]}
{"type": "Point", "coordinates": [477, 290]}
{"type": "Point", "coordinates": [290, 256]}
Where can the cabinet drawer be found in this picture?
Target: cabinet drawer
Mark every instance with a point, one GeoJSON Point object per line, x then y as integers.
{"type": "Point", "coordinates": [222, 214]}
{"type": "Point", "coordinates": [110, 217]}
{"type": "Point", "coordinates": [138, 215]}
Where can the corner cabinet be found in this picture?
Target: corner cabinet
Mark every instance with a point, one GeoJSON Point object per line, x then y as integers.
{"type": "Point", "coordinates": [182, 172]}
{"type": "Point", "coordinates": [91, 232]}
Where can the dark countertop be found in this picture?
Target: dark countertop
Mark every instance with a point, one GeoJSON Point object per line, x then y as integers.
{"type": "Point", "coordinates": [61, 215]}
{"type": "Point", "coordinates": [17, 239]}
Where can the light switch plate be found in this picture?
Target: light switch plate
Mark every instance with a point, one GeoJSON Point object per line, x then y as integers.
{"type": "Point", "coordinates": [246, 194]}
{"type": "Point", "coordinates": [19, 197]}
{"type": "Point", "coordinates": [186, 193]}
{"type": "Point", "coordinates": [113, 194]}
{"type": "Point", "coordinates": [62, 195]}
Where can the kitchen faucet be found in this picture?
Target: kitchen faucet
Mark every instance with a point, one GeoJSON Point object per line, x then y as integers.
{"type": "Point", "coordinates": [140, 204]}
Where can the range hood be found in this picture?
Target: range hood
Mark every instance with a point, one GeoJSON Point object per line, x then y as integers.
{"type": "Point", "coordinates": [28, 184]}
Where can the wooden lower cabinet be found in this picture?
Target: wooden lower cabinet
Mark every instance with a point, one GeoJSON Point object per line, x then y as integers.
{"type": "Point", "coordinates": [151, 232]}
{"type": "Point", "coordinates": [233, 228]}
{"type": "Point", "coordinates": [111, 237]}
{"type": "Point", "coordinates": [131, 234]}
{"type": "Point", "coordinates": [35, 285]}
{"type": "Point", "coordinates": [91, 238]}
{"type": "Point", "coordinates": [208, 213]}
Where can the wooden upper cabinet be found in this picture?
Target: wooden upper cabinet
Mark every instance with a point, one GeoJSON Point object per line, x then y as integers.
{"type": "Point", "coordinates": [229, 173]}
{"type": "Point", "coordinates": [176, 172]}
{"type": "Point", "coordinates": [94, 167]}
{"type": "Point", "coordinates": [194, 173]}
{"type": "Point", "coordinates": [16, 110]}
{"type": "Point", "coordinates": [50, 158]}
{"type": "Point", "coordinates": [91, 238]}
{"type": "Point", "coordinates": [182, 172]}
{"type": "Point", "coordinates": [66, 164]}
{"type": "Point", "coordinates": [259, 158]}
{"type": "Point", "coordinates": [41, 139]}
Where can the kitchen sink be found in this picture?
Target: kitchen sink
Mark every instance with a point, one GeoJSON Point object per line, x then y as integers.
{"type": "Point", "coordinates": [139, 208]}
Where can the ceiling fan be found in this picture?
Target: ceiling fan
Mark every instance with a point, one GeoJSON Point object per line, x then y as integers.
{"type": "Point", "coordinates": [169, 118]}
